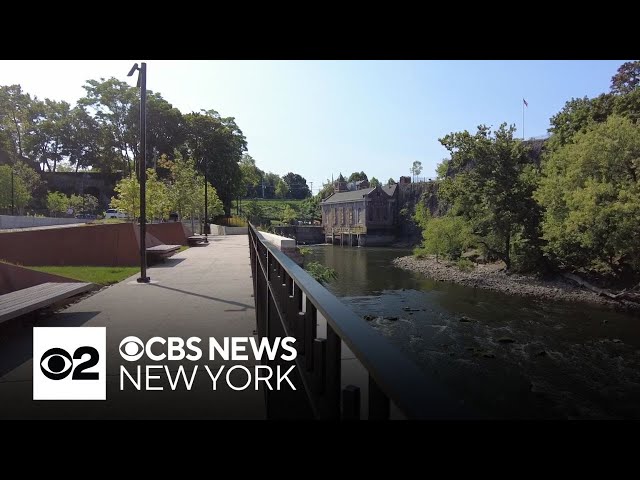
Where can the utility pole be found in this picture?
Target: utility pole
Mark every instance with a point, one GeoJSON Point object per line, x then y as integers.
{"type": "Point", "coordinates": [263, 188]}
{"type": "Point", "coordinates": [311, 189]}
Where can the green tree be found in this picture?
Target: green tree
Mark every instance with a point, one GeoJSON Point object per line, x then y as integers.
{"type": "Point", "coordinates": [627, 78]}
{"type": "Point", "coordinates": [443, 168]}
{"type": "Point", "coordinates": [90, 203]}
{"type": "Point", "coordinates": [127, 197]}
{"type": "Point", "coordinates": [217, 144]}
{"type": "Point", "coordinates": [57, 203]}
{"type": "Point", "coordinates": [251, 176]}
{"type": "Point", "coordinates": [288, 215]}
{"type": "Point", "coordinates": [493, 189]}
{"type": "Point", "coordinates": [591, 194]}
{"type": "Point", "coordinates": [357, 176]}
{"type": "Point", "coordinates": [446, 236]}
{"type": "Point", "coordinates": [374, 182]}
{"type": "Point", "coordinates": [391, 181]}
{"type": "Point", "coordinates": [297, 185]}
{"type": "Point", "coordinates": [416, 168]}
{"type": "Point", "coordinates": [21, 194]}
{"type": "Point", "coordinates": [282, 190]}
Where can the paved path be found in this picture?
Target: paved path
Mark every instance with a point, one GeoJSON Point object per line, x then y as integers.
{"type": "Point", "coordinates": [203, 291]}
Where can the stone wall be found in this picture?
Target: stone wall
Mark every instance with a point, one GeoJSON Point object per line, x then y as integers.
{"type": "Point", "coordinates": [302, 234]}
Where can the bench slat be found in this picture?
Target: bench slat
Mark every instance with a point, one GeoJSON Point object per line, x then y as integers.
{"type": "Point", "coordinates": [29, 299]}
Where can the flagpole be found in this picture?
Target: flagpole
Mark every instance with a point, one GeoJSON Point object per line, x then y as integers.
{"type": "Point", "coordinates": [523, 119]}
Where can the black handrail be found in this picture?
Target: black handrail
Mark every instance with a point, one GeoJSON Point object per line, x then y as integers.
{"type": "Point", "coordinates": [279, 284]}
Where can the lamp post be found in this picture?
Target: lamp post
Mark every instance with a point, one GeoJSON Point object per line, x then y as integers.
{"type": "Point", "coordinates": [142, 167]}
{"type": "Point", "coordinates": [206, 202]}
{"type": "Point", "coordinates": [12, 192]}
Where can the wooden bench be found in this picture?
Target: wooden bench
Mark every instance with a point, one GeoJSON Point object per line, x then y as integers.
{"type": "Point", "coordinates": [196, 240]}
{"type": "Point", "coordinates": [162, 251]}
{"type": "Point", "coordinates": [29, 299]}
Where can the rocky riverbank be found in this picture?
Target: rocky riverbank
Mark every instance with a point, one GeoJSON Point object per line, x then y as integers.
{"type": "Point", "coordinates": [493, 277]}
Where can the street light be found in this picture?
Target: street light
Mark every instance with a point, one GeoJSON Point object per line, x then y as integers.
{"type": "Point", "coordinates": [206, 202]}
{"type": "Point", "coordinates": [142, 167]}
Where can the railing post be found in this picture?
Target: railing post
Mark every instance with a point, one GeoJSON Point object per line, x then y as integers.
{"type": "Point", "coordinates": [351, 403]}
{"type": "Point", "coordinates": [310, 325]}
{"type": "Point", "coordinates": [378, 402]}
{"type": "Point", "coordinates": [333, 373]}
{"type": "Point", "coordinates": [319, 363]}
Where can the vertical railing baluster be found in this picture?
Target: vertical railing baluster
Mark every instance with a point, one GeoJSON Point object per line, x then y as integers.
{"type": "Point", "coordinates": [319, 364]}
{"type": "Point", "coordinates": [351, 402]}
{"type": "Point", "coordinates": [378, 402]}
{"type": "Point", "coordinates": [310, 325]}
{"type": "Point", "coordinates": [333, 372]}
{"type": "Point", "coordinates": [295, 306]}
{"type": "Point", "coordinates": [288, 304]}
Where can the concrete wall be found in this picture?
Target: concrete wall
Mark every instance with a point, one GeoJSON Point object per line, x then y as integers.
{"type": "Point", "coordinates": [222, 230]}
{"type": "Point", "coordinates": [20, 221]}
{"type": "Point", "coordinates": [305, 234]}
{"type": "Point", "coordinates": [284, 244]}
{"type": "Point", "coordinates": [13, 277]}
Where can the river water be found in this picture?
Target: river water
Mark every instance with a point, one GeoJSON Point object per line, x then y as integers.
{"type": "Point", "coordinates": [506, 356]}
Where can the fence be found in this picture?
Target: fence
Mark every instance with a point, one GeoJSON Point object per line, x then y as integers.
{"type": "Point", "coordinates": [288, 300]}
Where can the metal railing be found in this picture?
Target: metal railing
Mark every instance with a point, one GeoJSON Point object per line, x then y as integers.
{"type": "Point", "coordinates": [288, 299]}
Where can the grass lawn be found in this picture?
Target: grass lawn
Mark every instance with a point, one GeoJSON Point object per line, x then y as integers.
{"type": "Point", "coordinates": [183, 248]}
{"type": "Point", "coordinates": [99, 275]}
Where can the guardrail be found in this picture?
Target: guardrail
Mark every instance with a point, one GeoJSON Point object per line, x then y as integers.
{"type": "Point", "coordinates": [288, 299]}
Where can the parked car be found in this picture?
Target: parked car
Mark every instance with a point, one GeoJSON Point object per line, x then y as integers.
{"type": "Point", "coordinates": [88, 216]}
{"type": "Point", "coordinates": [113, 213]}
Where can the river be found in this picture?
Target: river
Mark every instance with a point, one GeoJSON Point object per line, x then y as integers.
{"type": "Point", "coordinates": [506, 356]}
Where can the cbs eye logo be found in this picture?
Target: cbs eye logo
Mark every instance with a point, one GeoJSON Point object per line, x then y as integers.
{"type": "Point", "coordinates": [56, 364]}
{"type": "Point", "coordinates": [69, 363]}
{"type": "Point", "coordinates": [131, 348]}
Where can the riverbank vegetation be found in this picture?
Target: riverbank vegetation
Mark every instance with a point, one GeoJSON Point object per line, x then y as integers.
{"type": "Point", "coordinates": [573, 209]}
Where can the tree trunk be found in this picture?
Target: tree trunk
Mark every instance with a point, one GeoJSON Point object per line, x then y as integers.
{"type": "Point", "coordinates": [507, 245]}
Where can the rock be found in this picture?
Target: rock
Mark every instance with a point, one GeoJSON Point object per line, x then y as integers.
{"type": "Point", "coordinates": [506, 340]}
{"type": "Point", "coordinates": [410, 313]}
{"type": "Point", "coordinates": [488, 355]}
{"type": "Point", "coordinates": [368, 318]}
{"type": "Point", "coordinates": [393, 319]}
{"type": "Point", "coordinates": [409, 309]}
{"type": "Point", "coordinates": [616, 340]}
{"type": "Point", "coordinates": [605, 321]}
{"type": "Point", "coordinates": [464, 319]}
{"type": "Point", "coordinates": [541, 353]}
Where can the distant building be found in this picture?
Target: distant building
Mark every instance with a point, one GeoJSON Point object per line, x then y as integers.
{"type": "Point", "coordinates": [361, 215]}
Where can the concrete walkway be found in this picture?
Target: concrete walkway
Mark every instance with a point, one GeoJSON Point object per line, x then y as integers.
{"type": "Point", "coordinates": [203, 291]}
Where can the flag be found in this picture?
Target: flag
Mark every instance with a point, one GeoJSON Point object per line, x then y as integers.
{"type": "Point", "coordinates": [525, 102]}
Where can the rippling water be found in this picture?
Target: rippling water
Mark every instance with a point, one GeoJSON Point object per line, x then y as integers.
{"type": "Point", "coordinates": [507, 356]}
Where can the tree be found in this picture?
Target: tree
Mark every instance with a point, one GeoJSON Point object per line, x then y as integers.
{"type": "Point", "coordinates": [217, 144]}
{"type": "Point", "coordinates": [297, 184]}
{"type": "Point", "coordinates": [627, 78]}
{"type": "Point", "coordinates": [309, 209]}
{"type": "Point", "coordinates": [251, 175]}
{"type": "Point", "coordinates": [443, 168]}
{"type": "Point", "coordinates": [446, 236]}
{"type": "Point", "coordinates": [327, 190]}
{"type": "Point", "coordinates": [282, 190]}
{"type": "Point", "coordinates": [288, 214]}
{"type": "Point", "coordinates": [127, 197]}
{"type": "Point", "coordinates": [113, 104]}
{"type": "Point", "coordinates": [493, 189]}
{"type": "Point", "coordinates": [21, 194]}
{"type": "Point", "coordinates": [357, 176]}
{"type": "Point", "coordinates": [57, 203]}
{"type": "Point", "coordinates": [391, 181]}
{"type": "Point", "coordinates": [374, 182]}
{"type": "Point", "coordinates": [90, 203]}
{"type": "Point", "coordinates": [590, 190]}
{"type": "Point", "coordinates": [416, 168]}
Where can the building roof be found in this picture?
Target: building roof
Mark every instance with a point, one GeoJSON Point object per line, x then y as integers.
{"type": "Point", "coordinates": [354, 195]}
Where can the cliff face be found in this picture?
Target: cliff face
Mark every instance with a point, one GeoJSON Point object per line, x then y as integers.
{"type": "Point", "coordinates": [408, 197]}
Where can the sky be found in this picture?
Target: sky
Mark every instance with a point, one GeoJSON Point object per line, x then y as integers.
{"type": "Point", "coordinates": [323, 118]}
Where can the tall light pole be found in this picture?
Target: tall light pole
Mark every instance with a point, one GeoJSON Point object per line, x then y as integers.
{"type": "Point", "coordinates": [206, 202]}
{"type": "Point", "coordinates": [142, 167]}
{"type": "Point", "coordinates": [12, 191]}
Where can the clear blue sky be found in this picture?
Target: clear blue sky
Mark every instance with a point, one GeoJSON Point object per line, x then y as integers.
{"type": "Point", "coordinates": [319, 118]}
